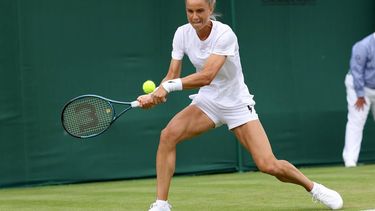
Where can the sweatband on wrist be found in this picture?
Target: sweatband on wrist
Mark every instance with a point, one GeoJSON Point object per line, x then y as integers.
{"type": "Point", "coordinates": [172, 85]}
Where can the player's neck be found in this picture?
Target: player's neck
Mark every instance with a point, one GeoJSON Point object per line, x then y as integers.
{"type": "Point", "coordinates": [205, 32]}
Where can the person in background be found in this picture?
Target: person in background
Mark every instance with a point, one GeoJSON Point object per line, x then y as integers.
{"type": "Point", "coordinates": [223, 98]}
{"type": "Point", "coordinates": [360, 95]}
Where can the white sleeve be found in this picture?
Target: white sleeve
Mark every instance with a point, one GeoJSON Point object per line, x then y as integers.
{"type": "Point", "coordinates": [226, 44]}
{"type": "Point", "coordinates": [178, 45]}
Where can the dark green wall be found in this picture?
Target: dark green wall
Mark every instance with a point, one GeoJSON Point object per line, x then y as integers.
{"type": "Point", "coordinates": [294, 58]}
{"type": "Point", "coordinates": [12, 122]}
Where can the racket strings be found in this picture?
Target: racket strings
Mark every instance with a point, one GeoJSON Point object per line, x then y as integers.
{"type": "Point", "coordinates": [87, 116]}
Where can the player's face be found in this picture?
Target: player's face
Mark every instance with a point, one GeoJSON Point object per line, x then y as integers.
{"type": "Point", "coordinates": [198, 13]}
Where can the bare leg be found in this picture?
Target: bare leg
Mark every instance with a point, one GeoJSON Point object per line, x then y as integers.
{"type": "Point", "coordinates": [188, 123]}
{"type": "Point", "coordinates": [253, 137]}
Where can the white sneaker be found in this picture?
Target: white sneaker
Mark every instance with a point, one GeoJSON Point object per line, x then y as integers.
{"type": "Point", "coordinates": [326, 196]}
{"type": "Point", "coordinates": [160, 206]}
{"type": "Point", "coordinates": [350, 164]}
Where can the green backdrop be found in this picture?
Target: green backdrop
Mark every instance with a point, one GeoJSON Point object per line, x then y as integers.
{"type": "Point", "coordinates": [295, 55]}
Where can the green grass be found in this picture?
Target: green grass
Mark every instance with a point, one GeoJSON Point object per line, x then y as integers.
{"type": "Point", "coordinates": [222, 192]}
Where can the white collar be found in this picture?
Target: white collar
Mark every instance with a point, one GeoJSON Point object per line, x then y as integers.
{"type": "Point", "coordinates": [374, 34]}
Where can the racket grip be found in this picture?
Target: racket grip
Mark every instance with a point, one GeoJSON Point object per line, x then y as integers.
{"type": "Point", "coordinates": [134, 104]}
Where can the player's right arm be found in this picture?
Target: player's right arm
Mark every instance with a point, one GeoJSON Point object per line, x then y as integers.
{"type": "Point", "coordinates": [174, 71]}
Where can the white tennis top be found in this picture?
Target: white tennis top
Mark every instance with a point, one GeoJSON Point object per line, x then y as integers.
{"type": "Point", "coordinates": [228, 88]}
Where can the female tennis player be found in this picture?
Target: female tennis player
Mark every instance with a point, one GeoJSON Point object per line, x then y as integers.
{"type": "Point", "coordinates": [223, 98]}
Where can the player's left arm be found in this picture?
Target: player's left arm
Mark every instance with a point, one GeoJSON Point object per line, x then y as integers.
{"type": "Point", "coordinates": [196, 80]}
{"type": "Point", "coordinates": [204, 77]}
{"type": "Point", "coordinates": [225, 45]}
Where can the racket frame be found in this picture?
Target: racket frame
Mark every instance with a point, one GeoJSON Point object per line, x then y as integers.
{"type": "Point", "coordinates": [110, 102]}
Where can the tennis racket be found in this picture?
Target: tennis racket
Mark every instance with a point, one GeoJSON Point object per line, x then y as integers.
{"type": "Point", "coordinates": [88, 116]}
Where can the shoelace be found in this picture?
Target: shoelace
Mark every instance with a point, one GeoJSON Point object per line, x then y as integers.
{"type": "Point", "coordinates": [319, 197]}
{"type": "Point", "coordinates": [327, 197]}
{"type": "Point", "coordinates": [315, 197]}
{"type": "Point", "coordinates": [155, 205]}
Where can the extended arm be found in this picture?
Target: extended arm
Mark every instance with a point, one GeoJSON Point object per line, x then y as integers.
{"type": "Point", "coordinates": [195, 80]}
{"type": "Point", "coordinates": [208, 73]}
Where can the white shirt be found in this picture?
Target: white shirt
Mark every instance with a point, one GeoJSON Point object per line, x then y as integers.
{"type": "Point", "coordinates": [228, 88]}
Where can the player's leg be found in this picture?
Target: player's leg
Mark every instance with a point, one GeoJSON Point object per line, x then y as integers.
{"type": "Point", "coordinates": [186, 124]}
{"type": "Point", "coordinates": [254, 138]}
{"type": "Point", "coordinates": [354, 126]}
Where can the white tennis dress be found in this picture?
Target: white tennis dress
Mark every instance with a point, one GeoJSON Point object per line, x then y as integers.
{"type": "Point", "coordinates": [228, 89]}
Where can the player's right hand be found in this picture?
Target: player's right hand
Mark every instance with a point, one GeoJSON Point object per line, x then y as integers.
{"type": "Point", "coordinates": [146, 101]}
{"type": "Point", "coordinates": [159, 95]}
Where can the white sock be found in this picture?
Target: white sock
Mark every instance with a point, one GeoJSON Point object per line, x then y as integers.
{"type": "Point", "coordinates": [313, 190]}
{"type": "Point", "coordinates": [161, 202]}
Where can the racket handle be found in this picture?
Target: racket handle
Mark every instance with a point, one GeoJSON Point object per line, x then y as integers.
{"type": "Point", "coordinates": [134, 104]}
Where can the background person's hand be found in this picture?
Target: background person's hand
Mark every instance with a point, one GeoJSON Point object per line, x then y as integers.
{"type": "Point", "coordinates": [360, 103]}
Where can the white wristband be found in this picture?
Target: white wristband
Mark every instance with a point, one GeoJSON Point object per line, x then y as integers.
{"type": "Point", "coordinates": [172, 85]}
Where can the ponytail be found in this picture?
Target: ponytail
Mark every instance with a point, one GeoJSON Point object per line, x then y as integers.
{"type": "Point", "coordinates": [212, 3]}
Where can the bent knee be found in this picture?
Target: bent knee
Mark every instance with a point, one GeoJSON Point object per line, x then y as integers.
{"type": "Point", "coordinates": [169, 137]}
{"type": "Point", "coordinates": [270, 166]}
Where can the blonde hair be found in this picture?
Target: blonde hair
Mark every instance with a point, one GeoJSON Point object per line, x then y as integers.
{"type": "Point", "coordinates": [212, 4]}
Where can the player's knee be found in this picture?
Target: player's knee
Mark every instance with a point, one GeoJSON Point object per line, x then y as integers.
{"type": "Point", "coordinates": [168, 137]}
{"type": "Point", "coordinates": [268, 167]}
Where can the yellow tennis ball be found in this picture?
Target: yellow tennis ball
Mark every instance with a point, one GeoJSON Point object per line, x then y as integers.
{"type": "Point", "coordinates": [148, 86]}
